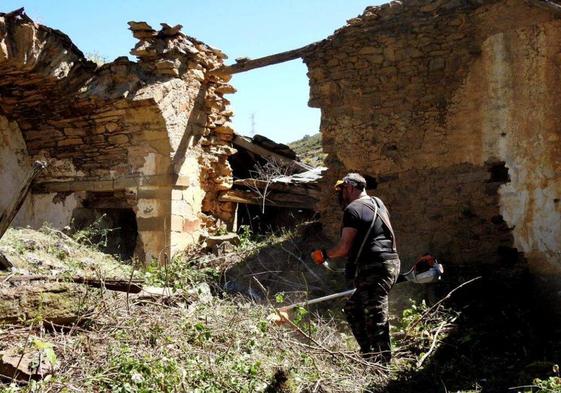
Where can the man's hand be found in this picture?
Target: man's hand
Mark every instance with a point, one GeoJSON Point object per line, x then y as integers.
{"type": "Point", "coordinates": [319, 256]}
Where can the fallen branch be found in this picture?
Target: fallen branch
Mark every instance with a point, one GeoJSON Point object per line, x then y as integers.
{"type": "Point", "coordinates": [426, 355]}
{"type": "Point", "coordinates": [441, 301]}
{"type": "Point", "coordinates": [132, 286]}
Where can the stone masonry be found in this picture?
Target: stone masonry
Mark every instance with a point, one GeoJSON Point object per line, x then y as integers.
{"type": "Point", "coordinates": [152, 135]}
{"type": "Point", "coordinates": [452, 109]}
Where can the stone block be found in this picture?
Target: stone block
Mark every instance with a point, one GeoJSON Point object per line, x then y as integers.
{"type": "Point", "coordinates": [225, 89]}
{"type": "Point", "coordinates": [95, 139]}
{"type": "Point", "coordinates": [118, 139]}
{"type": "Point", "coordinates": [215, 240]}
{"type": "Point", "coordinates": [177, 223]}
{"type": "Point", "coordinates": [370, 50]}
{"type": "Point", "coordinates": [111, 127]}
{"type": "Point", "coordinates": [177, 195]}
{"type": "Point", "coordinates": [74, 132]}
{"type": "Point", "coordinates": [376, 59]}
{"type": "Point", "coordinates": [70, 142]}
{"type": "Point", "coordinates": [225, 128]}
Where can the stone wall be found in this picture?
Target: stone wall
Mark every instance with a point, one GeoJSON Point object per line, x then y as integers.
{"type": "Point", "coordinates": [453, 109]}
{"type": "Point", "coordinates": [152, 135]}
{"type": "Point", "coordinates": [14, 161]}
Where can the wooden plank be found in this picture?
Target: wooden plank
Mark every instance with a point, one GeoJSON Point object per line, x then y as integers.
{"type": "Point", "coordinates": [12, 211]}
{"type": "Point", "coordinates": [242, 66]}
{"type": "Point", "coordinates": [309, 189]}
{"type": "Point", "coordinates": [133, 286]}
{"type": "Point", "coordinates": [236, 196]}
{"type": "Point", "coordinates": [267, 154]}
{"type": "Point", "coordinates": [119, 183]}
{"type": "Point", "coordinates": [273, 199]}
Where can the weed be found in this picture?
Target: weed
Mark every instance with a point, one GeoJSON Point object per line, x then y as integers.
{"type": "Point", "coordinates": [279, 297]}
{"type": "Point", "coordinates": [142, 374]}
{"type": "Point", "coordinates": [46, 348]}
{"type": "Point", "coordinates": [247, 239]}
{"type": "Point", "coordinates": [550, 385]}
{"type": "Point", "coordinates": [180, 273]}
{"type": "Point", "coordinates": [96, 234]}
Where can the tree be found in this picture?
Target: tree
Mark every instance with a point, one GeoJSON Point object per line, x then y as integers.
{"type": "Point", "coordinates": [265, 174]}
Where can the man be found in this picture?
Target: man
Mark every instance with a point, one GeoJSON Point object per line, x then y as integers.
{"type": "Point", "coordinates": [373, 266]}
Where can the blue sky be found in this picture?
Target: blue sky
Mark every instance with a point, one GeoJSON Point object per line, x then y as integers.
{"type": "Point", "coordinates": [276, 96]}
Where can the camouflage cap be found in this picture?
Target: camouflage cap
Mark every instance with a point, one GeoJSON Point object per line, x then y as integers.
{"type": "Point", "coordinates": [354, 179]}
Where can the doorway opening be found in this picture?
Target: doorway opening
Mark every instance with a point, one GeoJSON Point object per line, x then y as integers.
{"type": "Point", "coordinates": [108, 222]}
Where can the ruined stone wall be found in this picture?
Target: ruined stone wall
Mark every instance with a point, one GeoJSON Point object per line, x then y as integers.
{"type": "Point", "coordinates": [152, 135]}
{"type": "Point", "coordinates": [197, 121]}
{"type": "Point", "coordinates": [450, 107]}
{"type": "Point", "coordinates": [14, 161]}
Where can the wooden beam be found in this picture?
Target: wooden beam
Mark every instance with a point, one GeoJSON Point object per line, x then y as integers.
{"type": "Point", "coordinates": [267, 154]}
{"type": "Point", "coordinates": [118, 183]}
{"type": "Point", "coordinates": [242, 66]}
{"type": "Point", "coordinates": [309, 189]}
{"type": "Point", "coordinates": [275, 199]}
{"type": "Point", "coordinates": [132, 286]}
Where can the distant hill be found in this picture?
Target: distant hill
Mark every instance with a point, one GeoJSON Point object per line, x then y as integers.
{"type": "Point", "coordinates": [309, 149]}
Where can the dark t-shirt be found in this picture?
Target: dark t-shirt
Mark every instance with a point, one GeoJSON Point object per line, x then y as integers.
{"type": "Point", "coordinates": [379, 245]}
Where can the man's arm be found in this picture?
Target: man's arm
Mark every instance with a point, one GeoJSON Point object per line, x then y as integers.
{"type": "Point", "coordinates": [344, 245]}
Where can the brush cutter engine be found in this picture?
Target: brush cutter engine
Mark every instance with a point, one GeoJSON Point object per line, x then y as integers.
{"type": "Point", "coordinates": [426, 270]}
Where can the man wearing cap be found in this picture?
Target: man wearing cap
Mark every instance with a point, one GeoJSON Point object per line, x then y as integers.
{"type": "Point", "coordinates": [368, 243]}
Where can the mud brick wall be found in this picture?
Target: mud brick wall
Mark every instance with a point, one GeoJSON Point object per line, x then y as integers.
{"type": "Point", "coordinates": [151, 135]}
{"type": "Point", "coordinates": [452, 109]}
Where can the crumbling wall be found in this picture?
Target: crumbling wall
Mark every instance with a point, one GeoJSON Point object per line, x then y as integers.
{"type": "Point", "coordinates": [510, 100]}
{"type": "Point", "coordinates": [14, 161]}
{"type": "Point", "coordinates": [450, 108]}
{"type": "Point", "coordinates": [151, 135]}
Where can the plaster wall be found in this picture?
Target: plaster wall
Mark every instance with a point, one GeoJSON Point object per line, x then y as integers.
{"type": "Point", "coordinates": [514, 109]}
{"type": "Point", "coordinates": [14, 161]}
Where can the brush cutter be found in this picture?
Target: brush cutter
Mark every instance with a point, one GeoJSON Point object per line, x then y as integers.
{"type": "Point", "coordinates": [426, 270]}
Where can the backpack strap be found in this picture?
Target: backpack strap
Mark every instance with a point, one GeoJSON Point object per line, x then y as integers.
{"type": "Point", "coordinates": [365, 238]}
{"type": "Point", "coordinates": [383, 216]}
{"type": "Point", "coordinates": [386, 220]}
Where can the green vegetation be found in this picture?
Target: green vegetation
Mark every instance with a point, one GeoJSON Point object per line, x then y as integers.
{"type": "Point", "coordinates": [309, 150]}
{"type": "Point", "coordinates": [50, 251]}
{"type": "Point", "coordinates": [197, 338]}
{"type": "Point", "coordinates": [182, 272]}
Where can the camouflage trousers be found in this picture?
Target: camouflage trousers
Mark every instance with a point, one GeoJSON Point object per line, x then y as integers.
{"type": "Point", "coordinates": [367, 309]}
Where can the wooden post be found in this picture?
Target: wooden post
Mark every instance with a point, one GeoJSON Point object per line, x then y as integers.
{"type": "Point", "coordinates": [8, 216]}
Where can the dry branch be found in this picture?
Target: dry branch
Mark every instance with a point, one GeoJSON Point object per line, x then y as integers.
{"type": "Point", "coordinates": [133, 286]}
{"type": "Point", "coordinates": [430, 310]}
